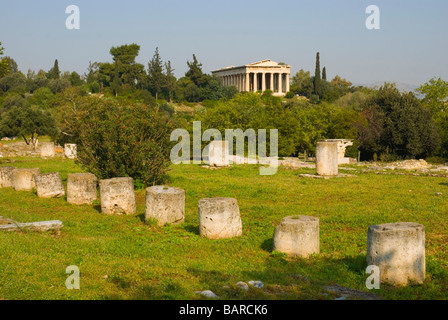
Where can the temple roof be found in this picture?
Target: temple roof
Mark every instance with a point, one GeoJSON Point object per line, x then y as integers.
{"type": "Point", "coordinates": [262, 63]}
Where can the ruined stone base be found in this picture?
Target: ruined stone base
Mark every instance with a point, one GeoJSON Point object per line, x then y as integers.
{"type": "Point", "coordinates": [41, 226]}
{"type": "Point", "coordinates": [219, 218]}
{"type": "Point", "coordinates": [316, 176]}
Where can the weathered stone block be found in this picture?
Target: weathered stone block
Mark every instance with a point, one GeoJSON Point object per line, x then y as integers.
{"type": "Point", "coordinates": [7, 177]}
{"type": "Point", "coordinates": [297, 236]}
{"type": "Point", "coordinates": [165, 204]}
{"type": "Point", "coordinates": [41, 226]}
{"type": "Point", "coordinates": [70, 150]}
{"type": "Point", "coordinates": [117, 196]}
{"type": "Point", "coordinates": [81, 188]}
{"type": "Point", "coordinates": [49, 185]}
{"type": "Point", "coordinates": [24, 178]}
{"type": "Point", "coordinates": [218, 153]}
{"type": "Point", "coordinates": [219, 218]}
{"type": "Point", "coordinates": [398, 250]}
{"type": "Point", "coordinates": [327, 158]}
{"type": "Point", "coordinates": [47, 150]}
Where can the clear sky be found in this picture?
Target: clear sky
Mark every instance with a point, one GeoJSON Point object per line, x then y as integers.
{"type": "Point", "coordinates": [410, 47]}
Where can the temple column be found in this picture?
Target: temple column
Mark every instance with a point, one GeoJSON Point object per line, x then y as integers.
{"type": "Point", "coordinates": [280, 84]}
{"type": "Point", "coordinates": [263, 81]}
{"type": "Point", "coordinates": [271, 82]}
{"type": "Point", "coordinates": [255, 85]}
{"type": "Point", "coordinates": [247, 82]}
{"type": "Point", "coordinates": [287, 82]}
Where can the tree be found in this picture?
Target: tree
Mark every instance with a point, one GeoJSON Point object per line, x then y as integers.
{"type": "Point", "coordinates": [338, 82]}
{"type": "Point", "coordinates": [156, 78]}
{"type": "Point", "coordinates": [12, 64]}
{"type": "Point", "coordinates": [170, 80]}
{"type": "Point", "coordinates": [93, 72]}
{"type": "Point", "coordinates": [3, 63]}
{"type": "Point", "coordinates": [435, 98]}
{"type": "Point", "coordinates": [337, 88]}
{"type": "Point", "coordinates": [75, 79]}
{"type": "Point", "coordinates": [317, 79]}
{"type": "Point", "coordinates": [397, 125]}
{"type": "Point", "coordinates": [13, 82]}
{"type": "Point", "coordinates": [117, 138]}
{"type": "Point", "coordinates": [27, 121]}
{"type": "Point", "coordinates": [54, 72]}
{"type": "Point", "coordinates": [116, 83]}
{"type": "Point", "coordinates": [435, 94]}
{"type": "Point", "coordinates": [302, 83]}
{"type": "Point", "coordinates": [195, 73]}
{"type": "Point", "coordinates": [124, 69]}
{"type": "Point", "coordinates": [324, 74]}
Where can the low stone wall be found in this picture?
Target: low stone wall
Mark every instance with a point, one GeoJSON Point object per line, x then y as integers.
{"type": "Point", "coordinates": [21, 149]}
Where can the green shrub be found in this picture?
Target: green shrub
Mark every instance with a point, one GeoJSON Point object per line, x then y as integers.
{"type": "Point", "coordinates": [120, 138]}
{"type": "Point", "coordinates": [289, 95]}
{"type": "Point", "coordinates": [436, 160]}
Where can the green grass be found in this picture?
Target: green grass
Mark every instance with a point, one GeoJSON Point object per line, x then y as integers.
{"type": "Point", "coordinates": [121, 257]}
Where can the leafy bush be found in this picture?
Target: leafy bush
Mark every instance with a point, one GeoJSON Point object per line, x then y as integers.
{"type": "Point", "coordinates": [436, 160]}
{"type": "Point", "coordinates": [27, 121]}
{"type": "Point", "coordinates": [119, 138]}
{"type": "Point", "coordinates": [396, 123]}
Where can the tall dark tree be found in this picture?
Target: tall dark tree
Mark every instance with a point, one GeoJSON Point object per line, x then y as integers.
{"type": "Point", "coordinates": [317, 79]}
{"type": "Point", "coordinates": [54, 72]}
{"type": "Point", "coordinates": [170, 80]}
{"type": "Point", "coordinates": [116, 83]}
{"type": "Point", "coordinates": [195, 73]}
{"type": "Point", "coordinates": [324, 74]}
{"type": "Point", "coordinates": [4, 68]}
{"type": "Point", "coordinates": [156, 78]}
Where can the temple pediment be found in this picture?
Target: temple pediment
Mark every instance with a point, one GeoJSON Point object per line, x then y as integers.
{"type": "Point", "coordinates": [264, 63]}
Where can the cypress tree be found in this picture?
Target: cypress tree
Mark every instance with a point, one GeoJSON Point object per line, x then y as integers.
{"type": "Point", "coordinates": [324, 74]}
{"type": "Point", "coordinates": [156, 77]}
{"type": "Point", "coordinates": [56, 71]}
{"type": "Point", "coordinates": [317, 80]}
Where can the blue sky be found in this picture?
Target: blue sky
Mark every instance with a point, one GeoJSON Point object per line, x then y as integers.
{"type": "Point", "coordinates": [410, 47]}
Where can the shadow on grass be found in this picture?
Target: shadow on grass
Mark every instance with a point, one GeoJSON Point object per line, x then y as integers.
{"type": "Point", "coordinates": [283, 278]}
{"type": "Point", "coordinates": [193, 228]}
{"type": "Point", "coordinates": [166, 289]}
{"type": "Point", "coordinates": [444, 184]}
{"type": "Point", "coordinates": [267, 245]}
{"type": "Point", "coordinates": [141, 217]}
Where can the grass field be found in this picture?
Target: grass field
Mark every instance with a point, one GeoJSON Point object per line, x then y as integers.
{"type": "Point", "coordinates": [121, 257]}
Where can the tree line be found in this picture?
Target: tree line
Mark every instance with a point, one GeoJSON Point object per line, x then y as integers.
{"type": "Point", "coordinates": [385, 123]}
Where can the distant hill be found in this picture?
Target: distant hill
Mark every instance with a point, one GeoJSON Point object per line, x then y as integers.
{"type": "Point", "coordinates": [400, 85]}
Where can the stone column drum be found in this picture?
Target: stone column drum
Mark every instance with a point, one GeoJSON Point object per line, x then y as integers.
{"type": "Point", "coordinates": [47, 150]}
{"type": "Point", "coordinates": [24, 178]}
{"type": "Point", "coordinates": [297, 236]}
{"type": "Point", "coordinates": [398, 250]}
{"type": "Point", "coordinates": [219, 218]}
{"type": "Point", "coordinates": [49, 185]}
{"type": "Point", "coordinates": [81, 188]}
{"type": "Point", "coordinates": [218, 153]}
{"type": "Point", "coordinates": [327, 158]}
{"type": "Point", "coordinates": [70, 150]}
{"type": "Point", "coordinates": [165, 204]}
{"type": "Point", "coordinates": [117, 196]}
{"type": "Point", "coordinates": [7, 177]}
